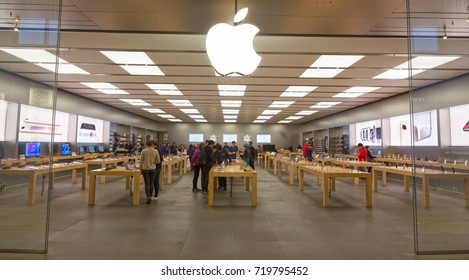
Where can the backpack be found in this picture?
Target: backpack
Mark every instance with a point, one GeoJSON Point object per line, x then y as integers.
{"type": "Point", "coordinates": [201, 158]}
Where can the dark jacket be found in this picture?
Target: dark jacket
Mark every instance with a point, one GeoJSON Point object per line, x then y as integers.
{"type": "Point", "coordinates": [209, 159]}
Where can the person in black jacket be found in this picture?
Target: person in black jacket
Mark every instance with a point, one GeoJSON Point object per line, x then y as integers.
{"type": "Point", "coordinates": [253, 155]}
{"type": "Point", "coordinates": [209, 161]}
{"type": "Point", "coordinates": [221, 158]}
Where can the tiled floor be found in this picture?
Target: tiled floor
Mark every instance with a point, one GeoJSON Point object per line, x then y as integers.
{"type": "Point", "coordinates": [286, 224]}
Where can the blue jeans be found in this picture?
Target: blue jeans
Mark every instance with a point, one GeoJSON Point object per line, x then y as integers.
{"type": "Point", "coordinates": [149, 178]}
{"type": "Point", "coordinates": [157, 180]}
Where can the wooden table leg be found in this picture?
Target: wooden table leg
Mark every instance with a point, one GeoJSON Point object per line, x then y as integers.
{"type": "Point", "coordinates": [136, 192]}
{"type": "Point", "coordinates": [254, 189]}
{"type": "Point", "coordinates": [74, 176]}
{"type": "Point", "coordinates": [301, 175]}
{"type": "Point", "coordinates": [406, 183]}
{"type": "Point", "coordinates": [246, 183]}
{"type": "Point", "coordinates": [375, 180]}
{"type": "Point", "coordinates": [103, 178]}
{"type": "Point", "coordinates": [466, 191]}
{"type": "Point", "coordinates": [92, 190]}
{"type": "Point", "coordinates": [369, 193]}
{"type": "Point", "coordinates": [426, 191]}
{"type": "Point", "coordinates": [210, 189]}
{"type": "Point", "coordinates": [292, 174]}
{"type": "Point", "coordinates": [32, 188]}
{"type": "Point", "coordinates": [384, 178]}
{"type": "Point", "coordinates": [180, 164]}
{"type": "Point", "coordinates": [325, 191]}
{"type": "Point", "coordinates": [83, 177]}
{"type": "Point", "coordinates": [170, 173]}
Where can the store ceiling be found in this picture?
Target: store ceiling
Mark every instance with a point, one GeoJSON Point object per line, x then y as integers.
{"type": "Point", "coordinates": [293, 35]}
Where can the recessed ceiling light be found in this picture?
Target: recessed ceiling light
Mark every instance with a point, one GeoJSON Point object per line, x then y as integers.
{"type": "Point", "coordinates": [165, 89]}
{"type": "Point", "coordinates": [135, 63]}
{"type": "Point", "coordinates": [231, 90]}
{"type": "Point", "coordinates": [356, 92]}
{"type": "Point", "coordinates": [264, 117]}
{"type": "Point", "coordinates": [166, 116]}
{"type": "Point", "coordinates": [231, 103]}
{"type": "Point", "coordinates": [281, 104]}
{"type": "Point", "coordinates": [294, 118]}
{"type": "Point", "coordinates": [130, 58]}
{"type": "Point", "coordinates": [284, 121]}
{"type": "Point", "coordinates": [419, 64]}
{"type": "Point", "coordinates": [306, 113]}
{"type": "Point", "coordinates": [196, 116]}
{"type": "Point", "coordinates": [230, 116]}
{"type": "Point", "coordinates": [298, 91]}
{"type": "Point", "coordinates": [143, 70]}
{"type": "Point", "coordinates": [325, 105]}
{"type": "Point", "coordinates": [259, 121]}
{"type": "Point", "coordinates": [46, 60]}
{"type": "Point", "coordinates": [271, 112]}
{"type": "Point", "coordinates": [230, 121]}
{"type": "Point", "coordinates": [154, 110]}
{"type": "Point", "coordinates": [200, 120]}
{"type": "Point", "coordinates": [175, 120]}
{"type": "Point", "coordinates": [135, 102]}
{"type": "Point", "coordinates": [230, 111]}
{"type": "Point", "coordinates": [105, 88]}
{"type": "Point", "coordinates": [190, 111]}
{"type": "Point", "coordinates": [177, 102]}
{"type": "Point", "coordinates": [329, 66]}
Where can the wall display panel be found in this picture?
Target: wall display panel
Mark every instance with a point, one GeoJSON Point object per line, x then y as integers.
{"type": "Point", "coordinates": [369, 133]}
{"type": "Point", "coordinates": [89, 130]}
{"type": "Point", "coordinates": [424, 130]}
{"type": "Point", "coordinates": [3, 118]}
{"type": "Point", "coordinates": [459, 124]}
{"type": "Point", "coordinates": [196, 138]}
{"type": "Point", "coordinates": [230, 138]}
{"type": "Point", "coordinates": [264, 138]}
{"type": "Point", "coordinates": [35, 125]}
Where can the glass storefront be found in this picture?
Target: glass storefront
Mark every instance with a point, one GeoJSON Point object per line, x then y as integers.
{"type": "Point", "coordinates": [31, 126]}
{"type": "Point", "coordinates": [436, 36]}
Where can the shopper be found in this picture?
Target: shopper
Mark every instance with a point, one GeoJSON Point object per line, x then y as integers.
{"type": "Point", "coordinates": [362, 152]}
{"type": "Point", "coordinates": [158, 173]}
{"type": "Point", "coordinates": [233, 150]}
{"type": "Point", "coordinates": [253, 155]}
{"type": "Point", "coordinates": [309, 152]}
{"type": "Point", "coordinates": [209, 161]}
{"type": "Point", "coordinates": [221, 158]}
{"type": "Point", "coordinates": [195, 167]}
{"type": "Point", "coordinates": [247, 156]}
{"type": "Point", "coordinates": [148, 161]}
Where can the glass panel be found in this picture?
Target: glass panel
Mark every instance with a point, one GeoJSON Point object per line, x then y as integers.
{"type": "Point", "coordinates": [438, 125]}
{"type": "Point", "coordinates": [28, 121]}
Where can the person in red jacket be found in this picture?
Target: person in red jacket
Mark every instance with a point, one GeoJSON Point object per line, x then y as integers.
{"type": "Point", "coordinates": [305, 147]}
{"type": "Point", "coordinates": [362, 152]}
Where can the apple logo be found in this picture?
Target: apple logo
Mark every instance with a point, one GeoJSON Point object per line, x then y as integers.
{"type": "Point", "coordinates": [230, 48]}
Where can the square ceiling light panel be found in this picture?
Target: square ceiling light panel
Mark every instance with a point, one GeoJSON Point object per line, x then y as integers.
{"type": "Point", "coordinates": [231, 90]}
{"type": "Point", "coordinates": [329, 66]}
{"type": "Point", "coordinates": [135, 63]}
{"type": "Point", "coordinates": [231, 103]}
{"type": "Point", "coordinates": [281, 104]}
{"type": "Point", "coordinates": [135, 102]}
{"type": "Point", "coordinates": [46, 60]}
{"type": "Point", "coordinates": [298, 91]}
{"type": "Point", "coordinates": [419, 65]}
{"type": "Point", "coordinates": [105, 88]}
{"type": "Point", "coordinates": [325, 105]}
{"type": "Point", "coordinates": [180, 103]}
{"type": "Point", "coordinates": [354, 92]}
{"type": "Point", "coordinates": [164, 89]}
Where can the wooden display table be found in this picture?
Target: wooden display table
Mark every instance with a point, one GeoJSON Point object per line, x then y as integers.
{"type": "Point", "coordinates": [233, 170]}
{"type": "Point", "coordinates": [425, 176]}
{"type": "Point", "coordinates": [104, 162]}
{"type": "Point", "coordinates": [168, 165]}
{"type": "Point", "coordinates": [356, 165]}
{"type": "Point", "coordinates": [132, 179]}
{"type": "Point", "coordinates": [289, 165]}
{"type": "Point", "coordinates": [329, 174]}
{"type": "Point", "coordinates": [32, 171]}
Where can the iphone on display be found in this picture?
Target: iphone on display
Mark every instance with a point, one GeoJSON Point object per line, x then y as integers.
{"type": "Point", "coordinates": [406, 130]}
{"type": "Point", "coordinates": [87, 130]}
{"type": "Point", "coordinates": [34, 126]}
